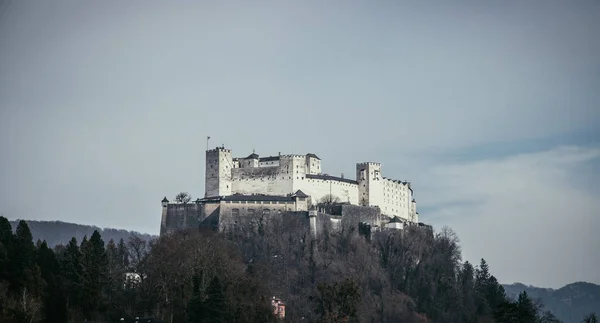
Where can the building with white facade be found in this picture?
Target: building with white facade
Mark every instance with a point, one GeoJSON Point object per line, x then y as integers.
{"type": "Point", "coordinates": [286, 175]}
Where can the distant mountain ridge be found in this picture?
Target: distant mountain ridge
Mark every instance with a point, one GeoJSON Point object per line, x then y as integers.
{"type": "Point", "coordinates": [569, 303]}
{"type": "Point", "coordinates": [58, 232]}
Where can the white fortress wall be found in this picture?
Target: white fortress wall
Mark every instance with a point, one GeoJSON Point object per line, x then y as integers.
{"type": "Point", "coordinates": [261, 180]}
{"type": "Point", "coordinates": [294, 166]}
{"type": "Point", "coordinates": [271, 161]}
{"type": "Point", "coordinates": [319, 186]}
{"type": "Point", "coordinates": [397, 199]}
{"type": "Point", "coordinates": [413, 211]}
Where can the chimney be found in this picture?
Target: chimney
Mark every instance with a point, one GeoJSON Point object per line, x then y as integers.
{"type": "Point", "coordinates": [342, 175]}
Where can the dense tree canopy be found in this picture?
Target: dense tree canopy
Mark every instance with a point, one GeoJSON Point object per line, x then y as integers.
{"type": "Point", "coordinates": [411, 275]}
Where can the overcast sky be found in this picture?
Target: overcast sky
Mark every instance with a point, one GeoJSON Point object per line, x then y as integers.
{"type": "Point", "coordinates": [492, 111]}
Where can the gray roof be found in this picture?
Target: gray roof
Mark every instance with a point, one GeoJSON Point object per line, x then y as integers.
{"type": "Point", "coordinates": [329, 177]}
{"type": "Point", "coordinates": [252, 156]}
{"type": "Point", "coordinates": [299, 193]}
{"type": "Point", "coordinates": [165, 200]}
{"type": "Point", "coordinates": [396, 219]}
{"type": "Point", "coordinates": [239, 198]}
{"type": "Point", "coordinates": [270, 158]}
{"type": "Point", "coordinates": [313, 156]}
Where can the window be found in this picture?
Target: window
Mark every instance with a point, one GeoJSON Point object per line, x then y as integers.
{"type": "Point", "coordinates": [266, 211]}
{"type": "Point", "coordinates": [235, 212]}
{"type": "Point", "coordinates": [250, 211]}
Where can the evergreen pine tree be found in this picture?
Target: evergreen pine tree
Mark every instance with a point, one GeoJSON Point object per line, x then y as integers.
{"type": "Point", "coordinates": [466, 281]}
{"type": "Point", "coordinates": [591, 318]}
{"type": "Point", "coordinates": [490, 293]}
{"type": "Point", "coordinates": [95, 265]}
{"type": "Point", "coordinates": [23, 257]}
{"type": "Point", "coordinates": [195, 308]}
{"type": "Point", "coordinates": [6, 233]}
{"type": "Point", "coordinates": [6, 249]}
{"type": "Point", "coordinates": [53, 299]}
{"type": "Point", "coordinates": [526, 308]}
{"type": "Point", "coordinates": [215, 302]}
{"type": "Point", "coordinates": [72, 275]}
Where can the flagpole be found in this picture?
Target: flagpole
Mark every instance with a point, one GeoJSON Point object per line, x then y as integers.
{"type": "Point", "coordinates": [207, 138]}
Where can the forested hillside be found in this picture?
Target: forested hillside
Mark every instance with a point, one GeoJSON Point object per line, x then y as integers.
{"type": "Point", "coordinates": [569, 303]}
{"type": "Point", "coordinates": [57, 232]}
{"type": "Point", "coordinates": [412, 275]}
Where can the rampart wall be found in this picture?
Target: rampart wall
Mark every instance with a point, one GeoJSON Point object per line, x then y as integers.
{"type": "Point", "coordinates": [180, 216]}
{"type": "Point", "coordinates": [319, 186]}
{"type": "Point", "coordinates": [263, 180]}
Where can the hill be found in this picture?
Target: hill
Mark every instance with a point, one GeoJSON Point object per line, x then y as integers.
{"type": "Point", "coordinates": [57, 232]}
{"type": "Point", "coordinates": [569, 303]}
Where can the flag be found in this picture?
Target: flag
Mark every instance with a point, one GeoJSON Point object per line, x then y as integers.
{"type": "Point", "coordinates": [207, 137]}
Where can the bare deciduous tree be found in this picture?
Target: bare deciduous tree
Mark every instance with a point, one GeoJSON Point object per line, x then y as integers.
{"type": "Point", "coordinates": [183, 197]}
{"type": "Point", "coordinates": [327, 202]}
{"type": "Point", "coordinates": [26, 307]}
{"type": "Point", "coordinates": [138, 254]}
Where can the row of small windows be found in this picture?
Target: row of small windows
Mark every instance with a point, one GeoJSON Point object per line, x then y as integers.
{"type": "Point", "coordinates": [236, 212]}
{"type": "Point", "coordinates": [263, 178]}
{"type": "Point", "coordinates": [259, 202]}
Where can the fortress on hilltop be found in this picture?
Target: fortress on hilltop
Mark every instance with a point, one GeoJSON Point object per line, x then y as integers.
{"type": "Point", "coordinates": [246, 186]}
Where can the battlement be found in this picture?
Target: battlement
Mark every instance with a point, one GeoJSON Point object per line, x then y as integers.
{"type": "Point", "coordinates": [397, 181]}
{"type": "Point", "coordinates": [368, 164]}
{"type": "Point", "coordinates": [294, 156]}
{"type": "Point", "coordinates": [219, 149]}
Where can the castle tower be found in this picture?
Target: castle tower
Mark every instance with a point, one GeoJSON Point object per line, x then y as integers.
{"type": "Point", "coordinates": [370, 184]}
{"type": "Point", "coordinates": [163, 221]}
{"type": "Point", "coordinates": [218, 172]}
{"type": "Point", "coordinates": [313, 164]}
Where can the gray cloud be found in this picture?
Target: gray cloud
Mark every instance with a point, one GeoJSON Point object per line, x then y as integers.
{"type": "Point", "coordinates": [527, 214]}
{"type": "Point", "coordinates": [104, 106]}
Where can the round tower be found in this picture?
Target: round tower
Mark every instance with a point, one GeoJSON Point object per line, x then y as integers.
{"type": "Point", "coordinates": [217, 181]}
{"type": "Point", "coordinates": [163, 221]}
